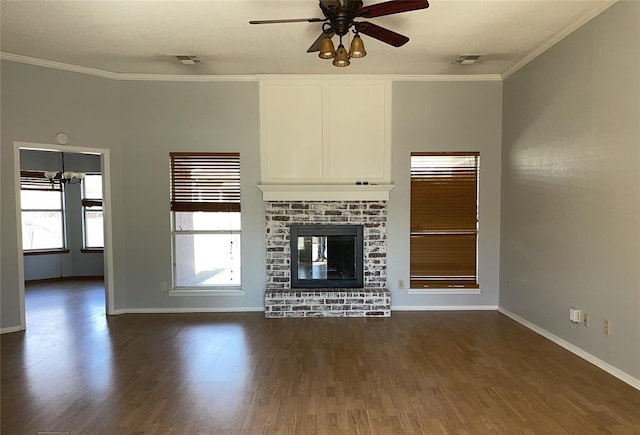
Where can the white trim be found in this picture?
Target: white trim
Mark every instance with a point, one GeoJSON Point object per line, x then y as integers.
{"type": "Point", "coordinates": [322, 77]}
{"type": "Point", "coordinates": [108, 224]}
{"type": "Point", "coordinates": [448, 78]}
{"type": "Point", "coordinates": [445, 291]}
{"type": "Point", "coordinates": [16, 178]}
{"type": "Point", "coordinates": [325, 192]}
{"type": "Point", "coordinates": [246, 77]}
{"type": "Point", "coordinates": [185, 78]}
{"type": "Point", "coordinates": [392, 77]}
{"type": "Point", "coordinates": [123, 76]}
{"type": "Point", "coordinates": [444, 308]}
{"type": "Point", "coordinates": [10, 329]}
{"type": "Point", "coordinates": [108, 261]}
{"type": "Point", "coordinates": [207, 292]}
{"type": "Point", "coordinates": [557, 38]}
{"type": "Point", "coordinates": [190, 310]}
{"type": "Point", "coordinates": [58, 65]}
{"type": "Point", "coordinates": [614, 371]}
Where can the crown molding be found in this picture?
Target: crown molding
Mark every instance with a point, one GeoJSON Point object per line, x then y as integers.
{"type": "Point", "coordinates": [557, 38]}
{"type": "Point", "coordinates": [244, 78]}
{"type": "Point", "coordinates": [123, 76]}
{"type": "Point", "coordinates": [448, 78]}
{"type": "Point", "coordinates": [392, 77]}
{"type": "Point", "coordinates": [323, 76]}
{"type": "Point", "coordinates": [58, 65]}
{"type": "Point", "coordinates": [186, 78]}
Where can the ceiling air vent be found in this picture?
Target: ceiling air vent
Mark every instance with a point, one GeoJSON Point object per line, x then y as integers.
{"type": "Point", "coordinates": [188, 59]}
{"type": "Point", "coordinates": [466, 59]}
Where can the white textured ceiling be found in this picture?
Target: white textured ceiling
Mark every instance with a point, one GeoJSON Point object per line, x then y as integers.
{"type": "Point", "coordinates": [135, 36]}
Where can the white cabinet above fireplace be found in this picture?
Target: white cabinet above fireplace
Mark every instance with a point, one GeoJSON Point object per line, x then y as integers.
{"type": "Point", "coordinates": [325, 131]}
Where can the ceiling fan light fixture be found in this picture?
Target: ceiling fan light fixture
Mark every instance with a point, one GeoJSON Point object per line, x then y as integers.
{"type": "Point", "coordinates": [339, 17]}
{"type": "Point", "coordinates": [327, 50]}
{"type": "Point", "coordinates": [356, 49]}
{"type": "Point", "coordinates": [342, 57]}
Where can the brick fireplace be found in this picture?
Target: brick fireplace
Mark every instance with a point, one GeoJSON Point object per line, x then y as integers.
{"type": "Point", "coordinates": [373, 300]}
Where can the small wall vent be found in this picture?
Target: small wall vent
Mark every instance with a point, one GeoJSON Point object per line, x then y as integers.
{"type": "Point", "coordinates": [466, 59]}
{"type": "Point", "coordinates": [188, 59]}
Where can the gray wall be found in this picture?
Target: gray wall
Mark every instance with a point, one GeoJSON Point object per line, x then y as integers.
{"type": "Point", "coordinates": [159, 117]}
{"type": "Point", "coordinates": [571, 187]}
{"type": "Point", "coordinates": [75, 263]}
{"type": "Point", "coordinates": [141, 122]}
{"type": "Point", "coordinates": [36, 104]}
{"type": "Point", "coordinates": [446, 116]}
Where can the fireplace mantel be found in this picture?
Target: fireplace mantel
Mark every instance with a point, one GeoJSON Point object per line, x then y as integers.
{"type": "Point", "coordinates": [325, 192]}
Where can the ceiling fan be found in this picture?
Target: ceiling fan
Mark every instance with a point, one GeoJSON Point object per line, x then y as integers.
{"type": "Point", "coordinates": [339, 18]}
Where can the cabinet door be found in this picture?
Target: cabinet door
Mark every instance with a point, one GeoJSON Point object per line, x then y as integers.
{"type": "Point", "coordinates": [359, 126]}
{"type": "Point", "coordinates": [291, 124]}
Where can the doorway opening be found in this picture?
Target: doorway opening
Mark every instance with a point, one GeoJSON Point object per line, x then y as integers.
{"type": "Point", "coordinates": [77, 254]}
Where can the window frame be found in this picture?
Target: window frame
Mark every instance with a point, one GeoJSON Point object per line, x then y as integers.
{"type": "Point", "coordinates": [86, 203]}
{"type": "Point", "coordinates": [434, 283]}
{"type": "Point", "coordinates": [38, 182]}
{"type": "Point", "coordinates": [198, 198]}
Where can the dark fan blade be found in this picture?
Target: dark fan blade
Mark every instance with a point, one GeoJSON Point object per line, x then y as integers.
{"type": "Point", "coordinates": [392, 7]}
{"type": "Point", "coordinates": [382, 34]}
{"type": "Point", "coordinates": [290, 20]}
{"type": "Point", "coordinates": [316, 44]}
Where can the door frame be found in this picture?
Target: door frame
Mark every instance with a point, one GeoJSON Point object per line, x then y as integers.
{"type": "Point", "coordinates": [105, 167]}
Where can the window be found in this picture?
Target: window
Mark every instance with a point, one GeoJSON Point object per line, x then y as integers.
{"type": "Point", "coordinates": [205, 208]}
{"type": "Point", "coordinates": [42, 212]}
{"type": "Point", "coordinates": [444, 220]}
{"type": "Point", "coordinates": [92, 217]}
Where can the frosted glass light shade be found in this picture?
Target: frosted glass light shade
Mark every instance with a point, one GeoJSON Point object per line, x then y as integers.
{"type": "Point", "coordinates": [50, 175]}
{"type": "Point", "coordinates": [357, 47]}
{"type": "Point", "coordinates": [327, 50]}
{"type": "Point", "coordinates": [342, 57]}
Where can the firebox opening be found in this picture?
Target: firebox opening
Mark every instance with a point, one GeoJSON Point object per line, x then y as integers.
{"type": "Point", "coordinates": [326, 256]}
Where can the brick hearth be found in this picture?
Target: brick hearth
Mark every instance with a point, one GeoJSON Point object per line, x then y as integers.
{"type": "Point", "coordinates": [347, 302]}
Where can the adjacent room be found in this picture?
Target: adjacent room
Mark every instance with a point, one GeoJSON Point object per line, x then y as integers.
{"type": "Point", "coordinates": [333, 216]}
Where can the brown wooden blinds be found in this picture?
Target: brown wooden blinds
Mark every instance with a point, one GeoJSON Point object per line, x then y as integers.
{"type": "Point", "coordinates": [35, 180]}
{"type": "Point", "coordinates": [444, 210]}
{"type": "Point", "coordinates": [205, 182]}
{"type": "Point", "coordinates": [91, 202]}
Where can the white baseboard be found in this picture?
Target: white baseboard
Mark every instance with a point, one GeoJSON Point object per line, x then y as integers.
{"type": "Point", "coordinates": [614, 371]}
{"type": "Point", "coordinates": [444, 308]}
{"type": "Point", "coordinates": [9, 329]}
{"type": "Point", "coordinates": [187, 310]}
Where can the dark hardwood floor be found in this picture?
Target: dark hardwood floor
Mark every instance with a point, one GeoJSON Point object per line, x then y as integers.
{"type": "Point", "coordinates": [76, 371]}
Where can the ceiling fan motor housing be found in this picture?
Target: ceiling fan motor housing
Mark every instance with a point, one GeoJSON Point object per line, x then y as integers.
{"type": "Point", "coordinates": [341, 14]}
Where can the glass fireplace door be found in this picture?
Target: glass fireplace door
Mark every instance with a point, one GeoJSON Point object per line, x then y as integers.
{"type": "Point", "coordinates": [326, 256]}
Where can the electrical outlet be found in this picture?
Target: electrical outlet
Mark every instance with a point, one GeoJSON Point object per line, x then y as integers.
{"type": "Point", "coordinates": [574, 315]}
{"type": "Point", "coordinates": [607, 327]}
{"type": "Point", "coordinates": [401, 283]}
{"type": "Point", "coordinates": [163, 286]}
{"type": "Point", "coordinates": [585, 320]}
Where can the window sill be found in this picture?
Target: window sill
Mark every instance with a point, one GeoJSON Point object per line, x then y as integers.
{"type": "Point", "coordinates": [207, 292]}
{"type": "Point", "coordinates": [445, 291]}
{"type": "Point", "coordinates": [46, 252]}
{"type": "Point", "coordinates": [92, 250]}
